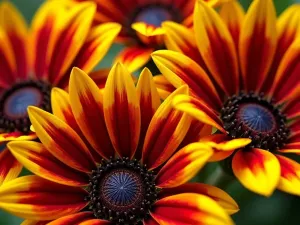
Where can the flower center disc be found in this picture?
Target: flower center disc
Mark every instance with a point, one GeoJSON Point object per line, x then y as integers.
{"type": "Point", "coordinates": [154, 15]}
{"type": "Point", "coordinates": [14, 103]}
{"type": "Point", "coordinates": [122, 191]}
{"type": "Point", "coordinates": [252, 116]}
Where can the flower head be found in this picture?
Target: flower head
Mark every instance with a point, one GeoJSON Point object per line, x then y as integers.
{"type": "Point", "coordinates": [34, 60]}
{"type": "Point", "coordinates": [242, 71]}
{"type": "Point", "coordinates": [115, 156]}
{"type": "Point", "coordinates": [142, 24]}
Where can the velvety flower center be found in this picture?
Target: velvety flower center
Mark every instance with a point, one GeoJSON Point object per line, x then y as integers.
{"type": "Point", "coordinates": [253, 116]}
{"type": "Point", "coordinates": [122, 191]}
{"type": "Point", "coordinates": [15, 100]}
{"type": "Point", "coordinates": [154, 15]}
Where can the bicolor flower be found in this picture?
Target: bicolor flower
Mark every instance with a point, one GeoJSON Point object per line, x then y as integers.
{"type": "Point", "coordinates": [243, 74]}
{"type": "Point", "coordinates": [34, 60]}
{"type": "Point", "coordinates": [141, 22]}
{"type": "Point", "coordinates": [113, 157]}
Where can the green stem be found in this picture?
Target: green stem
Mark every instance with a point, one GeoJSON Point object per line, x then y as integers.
{"type": "Point", "coordinates": [220, 178]}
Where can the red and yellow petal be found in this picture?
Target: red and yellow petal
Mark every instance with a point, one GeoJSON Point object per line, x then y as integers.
{"type": "Point", "coordinates": [164, 87]}
{"type": "Point", "coordinates": [286, 78]}
{"type": "Point", "coordinates": [181, 39]}
{"type": "Point", "coordinates": [290, 175]}
{"type": "Point", "coordinates": [100, 77]}
{"type": "Point", "coordinates": [36, 158]}
{"type": "Point", "coordinates": [35, 198]}
{"type": "Point", "coordinates": [10, 168]}
{"type": "Point", "coordinates": [223, 145]}
{"type": "Point", "coordinates": [287, 30]}
{"type": "Point", "coordinates": [61, 140]}
{"type": "Point", "coordinates": [189, 208]}
{"type": "Point", "coordinates": [148, 34]}
{"type": "Point", "coordinates": [14, 25]}
{"type": "Point", "coordinates": [180, 70]}
{"type": "Point", "coordinates": [81, 218]}
{"type": "Point", "coordinates": [16, 136]}
{"type": "Point", "coordinates": [122, 111]}
{"type": "Point", "coordinates": [233, 14]}
{"type": "Point", "coordinates": [168, 123]}
{"type": "Point", "coordinates": [87, 107]}
{"type": "Point", "coordinates": [45, 29]}
{"type": "Point", "coordinates": [75, 27]}
{"type": "Point", "coordinates": [134, 57]}
{"type": "Point", "coordinates": [257, 169]}
{"type": "Point", "coordinates": [198, 110]}
{"type": "Point", "coordinates": [184, 165]}
{"type": "Point", "coordinates": [34, 222]}
{"type": "Point", "coordinates": [257, 43]}
{"type": "Point", "coordinates": [149, 102]}
{"type": "Point", "coordinates": [7, 61]}
{"type": "Point", "coordinates": [220, 196]}
{"type": "Point", "coordinates": [216, 47]}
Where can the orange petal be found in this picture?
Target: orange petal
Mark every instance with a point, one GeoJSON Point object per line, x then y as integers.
{"type": "Point", "coordinates": [290, 175]}
{"type": "Point", "coordinates": [179, 70]}
{"type": "Point", "coordinates": [291, 148]}
{"type": "Point", "coordinates": [122, 111]}
{"type": "Point", "coordinates": [14, 25]}
{"type": "Point", "coordinates": [134, 57]}
{"type": "Point", "coordinates": [168, 123]}
{"type": "Point", "coordinates": [184, 165]}
{"type": "Point", "coordinates": [61, 140]}
{"type": "Point", "coordinates": [34, 222]}
{"type": "Point", "coordinates": [189, 208]}
{"type": "Point", "coordinates": [16, 136]}
{"type": "Point", "coordinates": [257, 43]}
{"type": "Point", "coordinates": [81, 218]}
{"type": "Point", "coordinates": [216, 47]}
{"type": "Point", "coordinates": [73, 33]}
{"type": "Point", "coordinates": [149, 102]}
{"type": "Point", "coordinates": [164, 87]}
{"type": "Point", "coordinates": [257, 169]}
{"type": "Point", "coordinates": [148, 34]}
{"type": "Point", "coordinates": [198, 110]}
{"type": "Point", "coordinates": [10, 168]}
{"type": "Point", "coordinates": [233, 14]}
{"type": "Point", "coordinates": [220, 196]}
{"type": "Point", "coordinates": [34, 198]}
{"type": "Point", "coordinates": [36, 158]}
{"type": "Point", "coordinates": [87, 107]}
{"type": "Point", "coordinates": [100, 77]}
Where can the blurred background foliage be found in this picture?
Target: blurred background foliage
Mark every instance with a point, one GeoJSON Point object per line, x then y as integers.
{"type": "Point", "coordinates": [280, 209]}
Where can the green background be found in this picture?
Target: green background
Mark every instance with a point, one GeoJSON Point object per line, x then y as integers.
{"type": "Point", "coordinates": [280, 209]}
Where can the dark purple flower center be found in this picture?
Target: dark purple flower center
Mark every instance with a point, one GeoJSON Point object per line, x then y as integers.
{"type": "Point", "coordinates": [154, 15]}
{"type": "Point", "coordinates": [15, 100]}
{"type": "Point", "coordinates": [122, 191]}
{"type": "Point", "coordinates": [253, 116]}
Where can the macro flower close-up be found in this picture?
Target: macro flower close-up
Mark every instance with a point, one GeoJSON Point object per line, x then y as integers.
{"type": "Point", "coordinates": [101, 159]}
{"type": "Point", "coordinates": [243, 74]}
{"type": "Point", "coordinates": [35, 59]}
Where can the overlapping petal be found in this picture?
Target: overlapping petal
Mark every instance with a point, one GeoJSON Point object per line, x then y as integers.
{"type": "Point", "coordinates": [216, 47]}
{"type": "Point", "coordinates": [290, 175]}
{"type": "Point", "coordinates": [61, 140]}
{"type": "Point", "coordinates": [35, 157]}
{"type": "Point", "coordinates": [179, 70]}
{"type": "Point", "coordinates": [168, 123]}
{"type": "Point", "coordinates": [184, 165]}
{"type": "Point", "coordinates": [220, 196]}
{"type": "Point", "coordinates": [189, 208]}
{"type": "Point", "coordinates": [122, 111]}
{"type": "Point", "coordinates": [81, 218]}
{"type": "Point", "coordinates": [259, 27]}
{"type": "Point", "coordinates": [164, 87]}
{"type": "Point", "coordinates": [87, 106]}
{"type": "Point", "coordinates": [34, 198]}
{"type": "Point", "coordinates": [257, 169]}
{"type": "Point", "coordinates": [10, 168]}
